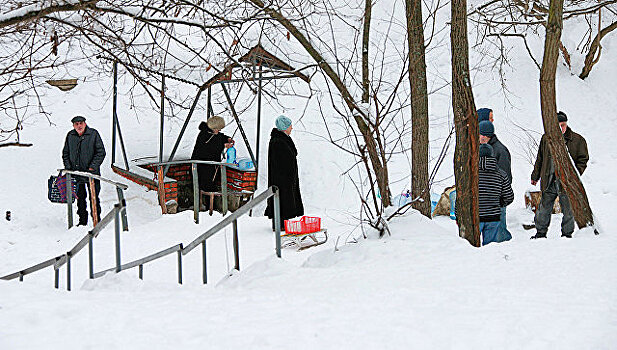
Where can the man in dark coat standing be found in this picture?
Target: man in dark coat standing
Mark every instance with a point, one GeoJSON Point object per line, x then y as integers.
{"type": "Point", "coordinates": [544, 170]}
{"type": "Point", "coordinates": [209, 145]}
{"type": "Point", "coordinates": [283, 172]}
{"type": "Point", "coordinates": [502, 156]}
{"type": "Point", "coordinates": [84, 151]}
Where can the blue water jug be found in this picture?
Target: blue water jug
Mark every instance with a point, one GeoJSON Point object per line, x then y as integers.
{"type": "Point", "coordinates": [453, 205]}
{"type": "Point", "coordinates": [231, 154]}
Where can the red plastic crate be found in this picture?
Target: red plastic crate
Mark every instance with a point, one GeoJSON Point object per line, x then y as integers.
{"type": "Point", "coordinates": [306, 224]}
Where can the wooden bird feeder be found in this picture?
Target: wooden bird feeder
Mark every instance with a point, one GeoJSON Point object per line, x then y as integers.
{"type": "Point", "coordinates": [63, 84]}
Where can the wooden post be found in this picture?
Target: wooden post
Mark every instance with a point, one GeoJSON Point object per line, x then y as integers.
{"type": "Point", "coordinates": [161, 190]}
{"type": "Point", "coordinates": [95, 214]}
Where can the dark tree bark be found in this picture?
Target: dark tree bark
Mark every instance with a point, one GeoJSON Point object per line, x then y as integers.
{"type": "Point", "coordinates": [591, 59]}
{"type": "Point", "coordinates": [466, 127]}
{"type": "Point", "coordinates": [419, 108]}
{"type": "Point", "coordinates": [566, 172]}
{"type": "Point", "coordinates": [368, 6]}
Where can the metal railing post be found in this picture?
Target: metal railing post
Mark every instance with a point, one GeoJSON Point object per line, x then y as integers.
{"type": "Point", "coordinates": [125, 223]}
{"type": "Point", "coordinates": [117, 235]}
{"type": "Point", "coordinates": [21, 276]}
{"type": "Point", "coordinates": [204, 262]}
{"type": "Point", "coordinates": [236, 246]}
{"type": "Point", "coordinates": [90, 257]}
{"type": "Point", "coordinates": [224, 188]}
{"type": "Point", "coordinates": [69, 199]}
{"type": "Point", "coordinates": [141, 272]}
{"type": "Point", "coordinates": [277, 221]}
{"type": "Point", "coordinates": [56, 277]}
{"type": "Point", "coordinates": [68, 271]}
{"type": "Point", "coordinates": [196, 193]}
{"type": "Point", "coordinates": [180, 265]}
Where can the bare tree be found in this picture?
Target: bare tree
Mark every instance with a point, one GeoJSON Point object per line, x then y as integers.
{"type": "Point", "coordinates": [466, 125]}
{"type": "Point", "coordinates": [419, 107]}
{"type": "Point", "coordinates": [566, 172]}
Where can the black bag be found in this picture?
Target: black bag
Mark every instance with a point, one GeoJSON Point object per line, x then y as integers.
{"type": "Point", "coordinates": [56, 189]}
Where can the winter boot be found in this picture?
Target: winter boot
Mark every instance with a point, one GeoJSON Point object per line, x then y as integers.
{"type": "Point", "coordinates": [567, 235]}
{"type": "Point", "coordinates": [538, 235]}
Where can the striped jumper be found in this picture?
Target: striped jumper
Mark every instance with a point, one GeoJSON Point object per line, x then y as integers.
{"type": "Point", "coordinates": [495, 190]}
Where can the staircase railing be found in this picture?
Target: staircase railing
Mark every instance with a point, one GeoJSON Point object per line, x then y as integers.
{"type": "Point", "coordinates": [180, 250]}
{"type": "Point", "coordinates": [65, 259]}
{"type": "Point", "coordinates": [114, 215]}
{"type": "Point", "coordinates": [69, 195]}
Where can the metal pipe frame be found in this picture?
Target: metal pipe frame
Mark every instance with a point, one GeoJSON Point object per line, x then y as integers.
{"type": "Point", "coordinates": [235, 115]}
{"type": "Point", "coordinates": [69, 199]}
{"type": "Point", "coordinates": [162, 118]}
{"type": "Point", "coordinates": [186, 122]}
{"type": "Point", "coordinates": [196, 194]}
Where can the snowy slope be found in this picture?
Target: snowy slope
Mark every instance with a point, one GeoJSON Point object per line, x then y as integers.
{"type": "Point", "coordinates": [423, 287]}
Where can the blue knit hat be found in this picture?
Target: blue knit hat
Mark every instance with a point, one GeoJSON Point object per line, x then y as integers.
{"type": "Point", "coordinates": [486, 150]}
{"type": "Point", "coordinates": [282, 122]}
{"type": "Point", "coordinates": [484, 114]}
{"type": "Point", "coordinates": [487, 128]}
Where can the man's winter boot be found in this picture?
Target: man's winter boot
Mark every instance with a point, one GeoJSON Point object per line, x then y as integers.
{"type": "Point", "coordinates": [538, 235]}
{"type": "Point", "coordinates": [567, 235]}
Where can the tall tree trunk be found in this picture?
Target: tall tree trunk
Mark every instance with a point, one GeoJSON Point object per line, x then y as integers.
{"type": "Point", "coordinates": [566, 172]}
{"type": "Point", "coordinates": [360, 117]}
{"type": "Point", "coordinates": [419, 108]}
{"type": "Point", "coordinates": [466, 127]}
{"type": "Point", "coordinates": [368, 6]}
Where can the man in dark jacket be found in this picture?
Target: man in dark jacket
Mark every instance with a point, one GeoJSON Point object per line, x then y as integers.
{"type": "Point", "coordinates": [283, 172]}
{"type": "Point", "coordinates": [494, 192]}
{"type": "Point", "coordinates": [502, 156]}
{"type": "Point", "coordinates": [544, 170]}
{"type": "Point", "coordinates": [84, 151]}
{"type": "Point", "coordinates": [209, 146]}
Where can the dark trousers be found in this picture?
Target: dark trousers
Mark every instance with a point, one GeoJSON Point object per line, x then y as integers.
{"type": "Point", "coordinates": [82, 204]}
{"type": "Point", "coordinates": [545, 209]}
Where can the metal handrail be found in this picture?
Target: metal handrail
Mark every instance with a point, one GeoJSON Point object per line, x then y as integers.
{"type": "Point", "coordinates": [69, 194]}
{"type": "Point", "coordinates": [180, 250]}
{"type": "Point", "coordinates": [196, 191]}
{"type": "Point", "coordinates": [63, 259]}
{"type": "Point", "coordinates": [93, 176]}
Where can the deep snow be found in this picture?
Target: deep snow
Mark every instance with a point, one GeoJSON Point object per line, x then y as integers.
{"type": "Point", "coordinates": [423, 287]}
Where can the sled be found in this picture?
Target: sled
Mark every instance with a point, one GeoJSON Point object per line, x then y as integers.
{"type": "Point", "coordinates": [299, 239]}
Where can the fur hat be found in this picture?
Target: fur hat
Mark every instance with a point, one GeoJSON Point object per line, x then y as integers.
{"type": "Point", "coordinates": [486, 150]}
{"type": "Point", "coordinates": [562, 117]}
{"type": "Point", "coordinates": [484, 114]}
{"type": "Point", "coordinates": [282, 122]}
{"type": "Point", "coordinates": [216, 122]}
{"type": "Point", "coordinates": [487, 128]}
{"type": "Point", "coordinates": [77, 119]}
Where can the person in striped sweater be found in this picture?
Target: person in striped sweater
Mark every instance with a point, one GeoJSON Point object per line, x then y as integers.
{"type": "Point", "coordinates": [495, 192]}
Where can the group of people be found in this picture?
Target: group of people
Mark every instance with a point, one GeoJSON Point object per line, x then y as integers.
{"type": "Point", "coordinates": [84, 151]}
{"type": "Point", "coordinates": [282, 164]}
{"type": "Point", "coordinates": [495, 180]}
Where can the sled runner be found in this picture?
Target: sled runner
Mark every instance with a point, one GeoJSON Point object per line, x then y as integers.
{"type": "Point", "coordinates": [300, 239]}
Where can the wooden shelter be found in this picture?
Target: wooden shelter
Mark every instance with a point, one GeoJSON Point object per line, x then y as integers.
{"type": "Point", "coordinates": [176, 185]}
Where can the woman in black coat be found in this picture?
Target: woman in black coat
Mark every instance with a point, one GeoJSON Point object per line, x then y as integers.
{"type": "Point", "coordinates": [209, 146]}
{"type": "Point", "coordinates": [283, 172]}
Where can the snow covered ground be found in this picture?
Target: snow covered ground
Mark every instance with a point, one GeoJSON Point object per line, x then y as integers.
{"type": "Point", "coordinates": [423, 287]}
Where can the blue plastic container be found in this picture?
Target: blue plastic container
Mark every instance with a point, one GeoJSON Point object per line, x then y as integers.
{"type": "Point", "coordinates": [434, 199]}
{"type": "Point", "coordinates": [231, 155]}
{"type": "Point", "coordinates": [453, 205]}
{"type": "Point", "coordinates": [245, 164]}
